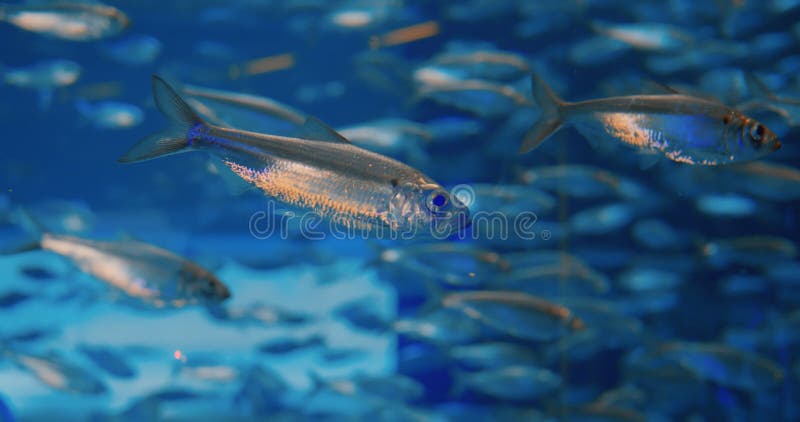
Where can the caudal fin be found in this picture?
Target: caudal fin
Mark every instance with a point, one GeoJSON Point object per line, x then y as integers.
{"type": "Point", "coordinates": [550, 121]}
{"type": "Point", "coordinates": [171, 140]}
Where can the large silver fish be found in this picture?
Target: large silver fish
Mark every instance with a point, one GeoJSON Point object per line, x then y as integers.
{"type": "Point", "coordinates": [153, 275]}
{"type": "Point", "coordinates": [684, 129]}
{"type": "Point", "coordinates": [326, 174]}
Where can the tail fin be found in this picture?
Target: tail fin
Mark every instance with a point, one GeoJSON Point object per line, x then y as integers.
{"type": "Point", "coordinates": [31, 238]}
{"type": "Point", "coordinates": [550, 104]}
{"type": "Point", "coordinates": [172, 140]}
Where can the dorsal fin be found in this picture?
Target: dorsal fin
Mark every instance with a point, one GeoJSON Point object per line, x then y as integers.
{"type": "Point", "coordinates": [316, 130]}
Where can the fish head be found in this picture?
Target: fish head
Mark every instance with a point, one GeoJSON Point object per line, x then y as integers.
{"type": "Point", "coordinates": [203, 285]}
{"type": "Point", "coordinates": [429, 207]}
{"type": "Point", "coordinates": [754, 138]}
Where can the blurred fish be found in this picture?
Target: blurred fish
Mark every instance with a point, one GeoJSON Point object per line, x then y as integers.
{"type": "Point", "coordinates": [109, 360]}
{"type": "Point", "coordinates": [480, 97]}
{"type": "Point", "coordinates": [452, 129]}
{"type": "Point", "coordinates": [57, 372]}
{"type": "Point", "coordinates": [684, 129]}
{"type": "Point", "coordinates": [516, 314]}
{"type": "Point", "coordinates": [207, 368]}
{"type": "Point", "coordinates": [773, 181]}
{"type": "Point", "coordinates": [552, 279]}
{"type": "Point", "coordinates": [258, 314]}
{"type": "Point", "coordinates": [482, 63]}
{"type": "Point", "coordinates": [282, 346]}
{"type": "Point", "coordinates": [110, 114]}
{"type": "Point", "coordinates": [328, 175]}
{"type": "Point", "coordinates": [582, 181]}
{"type": "Point", "coordinates": [145, 272]}
{"type": "Point", "coordinates": [342, 356]}
{"type": "Point", "coordinates": [726, 206]}
{"type": "Point", "coordinates": [603, 219]}
{"type": "Point", "coordinates": [656, 234]}
{"type": "Point", "coordinates": [748, 250]}
{"type": "Point", "coordinates": [76, 21]}
{"type": "Point", "coordinates": [134, 50]}
{"type": "Point", "coordinates": [391, 388]}
{"type": "Point", "coordinates": [725, 365]}
{"type": "Point", "coordinates": [646, 36]}
{"type": "Point", "coordinates": [44, 77]}
{"type": "Point", "coordinates": [10, 299]}
{"type": "Point", "coordinates": [399, 138]}
{"type": "Point", "coordinates": [458, 264]}
{"type": "Point", "coordinates": [259, 104]}
{"type": "Point", "coordinates": [443, 326]}
{"type": "Point", "coordinates": [405, 35]}
{"type": "Point", "coordinates": [510, 383]}
{"type": "Point", "coordinates": [494, 355]}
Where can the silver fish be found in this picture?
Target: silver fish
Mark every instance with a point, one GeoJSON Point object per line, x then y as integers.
{"type": "Point", "coordinates": [67, 21]}
{"type": "Point", "coordinates": [143, 271]}
{"type": "Point", "coordinates": [685, 129]}
{"type": "Point", "coordinates": [57, 372]}
{"type": "Point", "coordinates": [328, 175]}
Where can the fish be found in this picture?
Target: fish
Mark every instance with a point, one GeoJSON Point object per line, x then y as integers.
{"type": "Point", "coordinates": [394, 387]}
{"type": "Point", "coordinates": [684, 129]}
{"type": "Point", "coordinates": [109, 360]}
{"type": "Point", "coordinates": [327, 175]}
{"type": "Point", "coordinates": [145, 272]}
{"type": "Point", "coordinates": [57, 372]}
{"type": "Point", "coordinates": [71, 21]}
{"type": "Point", "coordinates": [134, 50]}
{"type": "Point", "coordinates": [289, 345]}
{"type": "Point", "coordinates": [44, 77]}
{"type": "Point", "coordinates": [510, 382]}
{"type": "Point", "coordinates": [110, 114]}
{"type": "Point", "coordinates": [517, 314]}
{"type": "Point", "coordinates": [493, 354]}
{"type": "Point", "coordinates": [725, 365]}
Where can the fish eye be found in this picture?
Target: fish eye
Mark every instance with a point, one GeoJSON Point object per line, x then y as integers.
{"type": "Point", "coordinates": [437, 200]}
{"type": "Point", "coordinates": [757, 134]}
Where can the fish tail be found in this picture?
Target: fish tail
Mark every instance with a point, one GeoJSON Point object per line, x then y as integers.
{"type": "Point", "coordinates": [551, 119]}
{"type": "Point", "coordinates": [172, 140]}
{"type": "Point", "coordinates": [31, 241]}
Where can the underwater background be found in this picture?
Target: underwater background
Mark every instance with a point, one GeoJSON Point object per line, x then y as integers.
{"type": "Point", "coordinates": [641, 289]}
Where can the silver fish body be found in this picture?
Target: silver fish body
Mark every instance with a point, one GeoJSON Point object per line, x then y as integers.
{"type": "Point", "coordinates": [350, 186]}
{"type": "Point", "coordinates": [143, 271]}
{"type": "Point", "coordinates": [683, 128]}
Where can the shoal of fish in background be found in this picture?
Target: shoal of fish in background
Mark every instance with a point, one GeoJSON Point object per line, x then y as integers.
{"type": "Point", "coordinates": [645, 293]}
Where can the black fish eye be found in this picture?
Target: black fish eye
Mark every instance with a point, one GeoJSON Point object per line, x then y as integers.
{"type": "Point", "coordinates": [757, 133]}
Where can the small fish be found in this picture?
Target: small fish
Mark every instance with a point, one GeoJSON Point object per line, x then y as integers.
{"type": "Point", "coordinates": [656, 234]}
{"type": "Point", "coordinates": [517, 314]}
{"type": "Point", "coordinates": [289, 345]}
{"type": "Point", "coordinates": [725, 365]}
{"type": "Point", "coordinates": [392, 387]}
{"type": "Point", "coordinates": [258, 314]}
{"type": "Point", "coordinates": [326, 174]}
{"type": "Point", "coordinates": [646, 36]}
{"type": "Point", "coordinates": [37, 273]}
{"type": "Point", "coordinates": [582, 181]}
{"type": "Point", "coordinates": [208, 368]}
{"type": "Point", "coordinates": [12, 298]}
{"type": "Point", "coordinates": [110, 114]}
{"type": "Point", "coordinates": [134, 50]}
{"type": "Point", "coordinates": [153, 275]}
{"type": "Point", "coordinates": [76, 21]}
{"type": "Point", "coordinates": [44, 77]}
{"type": "Point", "coordinates": [108, 360]}
{"type": "Point", "coordinates": [510, 382]}
{"type": "Point", "coordinates": [57, 372]}
{"type": "Point", "coordinates": [748, 250]}
{"type": "Point", "coordinates": [684, 129]}
{"type": "Point", "coordinates": [363, 314]}
{"type": "Point", "coordinates": [493, 354]}
{"type": "Point", "coordinates": [726, 206]}
{"type": "Point", "coordinates": [442, 326]}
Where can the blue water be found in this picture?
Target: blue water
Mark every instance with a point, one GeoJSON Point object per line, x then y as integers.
{"type": "Point", "coordinates": [58, 166]}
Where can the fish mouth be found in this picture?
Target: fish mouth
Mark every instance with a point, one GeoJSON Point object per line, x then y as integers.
{"type": "Point", "coordinates": [776, 146]}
